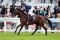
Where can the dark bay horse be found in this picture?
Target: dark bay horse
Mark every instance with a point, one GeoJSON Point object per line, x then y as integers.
{"type": "Point", "coordinates": [39, 21]}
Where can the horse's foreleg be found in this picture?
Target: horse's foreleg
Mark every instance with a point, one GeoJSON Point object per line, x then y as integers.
{"type": "Point", "coordinates": [35, 30]}
{"type": "Point", "coordinates": [17, 28]}
{"type": "Point", "coordinates": [45, 29]}
{"type": "Point", "coordinates": [20, 29]}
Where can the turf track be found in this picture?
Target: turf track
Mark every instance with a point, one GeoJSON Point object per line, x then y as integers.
{"type": "Point", "coordinates": [28, 36]}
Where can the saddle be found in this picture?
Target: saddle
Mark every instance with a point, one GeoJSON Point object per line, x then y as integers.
{"type": "Point", "coordinates": [31, 18]}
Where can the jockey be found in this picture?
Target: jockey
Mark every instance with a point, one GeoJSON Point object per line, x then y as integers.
{"type": "Point", "coordinates": [25, 6]}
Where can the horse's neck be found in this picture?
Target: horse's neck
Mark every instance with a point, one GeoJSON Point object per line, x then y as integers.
{"type": "Point", "coordinates": [22, 15]}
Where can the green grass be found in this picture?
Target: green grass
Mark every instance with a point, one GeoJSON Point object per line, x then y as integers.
{"type": "Point", "coordinates": [28, 36]}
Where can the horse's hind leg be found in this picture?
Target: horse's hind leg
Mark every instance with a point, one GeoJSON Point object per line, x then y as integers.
{"type": "Point", "coordinates": [26, 27]}
{"type": "Point", "coordinates": [45, 29]}
{"type": "Point", "coordinates": [52, 28]}
{"type": "Point", "coordinates": [20, 29]}
{"type": "Point", "coordinates": [17, 28]}
{"type": "Point", "coordinates": [35, 30]}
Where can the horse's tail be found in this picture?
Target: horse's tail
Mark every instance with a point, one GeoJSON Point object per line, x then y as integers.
{"type": "Point", "coordinates": [49, 22]}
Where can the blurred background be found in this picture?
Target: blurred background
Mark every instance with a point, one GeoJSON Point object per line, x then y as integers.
{"type": "Point", "coordinates": [48, 8]}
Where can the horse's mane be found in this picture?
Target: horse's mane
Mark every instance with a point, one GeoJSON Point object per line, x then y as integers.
{"type": "Point", "coordinates": [21, 11]}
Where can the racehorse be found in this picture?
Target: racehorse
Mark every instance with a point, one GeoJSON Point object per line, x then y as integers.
{"type": "Point", "coordinates": [39, 21]}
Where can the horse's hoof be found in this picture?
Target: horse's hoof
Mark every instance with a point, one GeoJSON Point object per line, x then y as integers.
{"type": "Point", "coordinates": [15, 32]}
{"type": "Point", "coordinates": [32, 34]}
{"type": "Point", "coordinates": [46, 34]}
{"type": "Point", "coordinates": [52, 32]}
{"type": "Point", "coordinates": [18, 34]}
